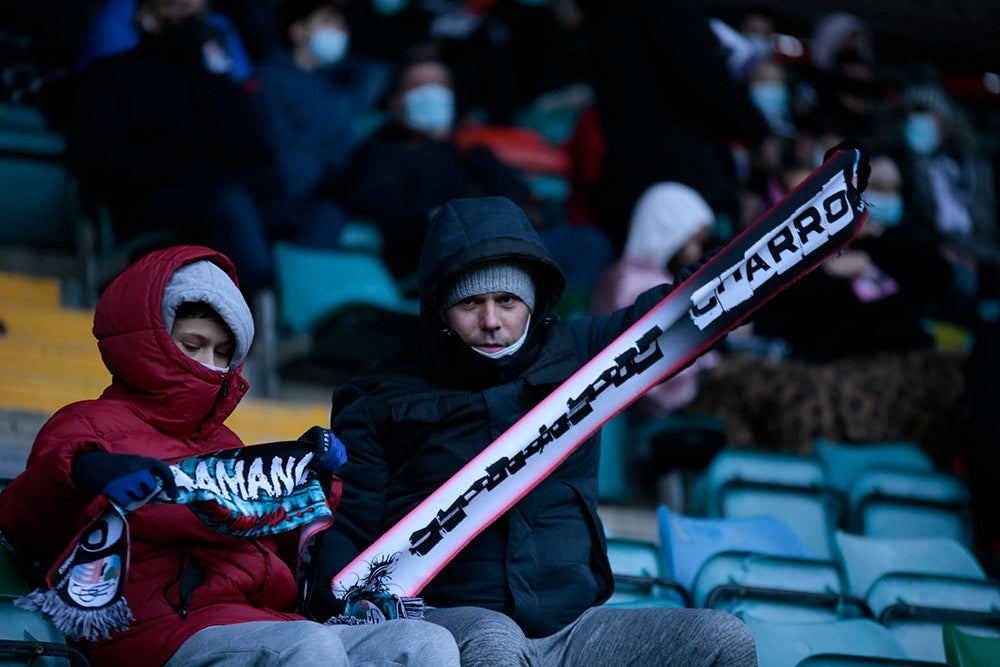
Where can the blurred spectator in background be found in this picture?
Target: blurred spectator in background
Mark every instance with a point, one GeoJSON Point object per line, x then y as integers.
{"type": "Point", "coordinates": [169, 143]}
{"type": "Point", "coordinates": [114, 30]}
{"type": "Point", "coordinates": [547, 44]}
{"type": "Point", "coordinates": [839, 87]}
{"type": "Point", "coordinates": [769, 93]}
{"type": "Point", "coordinates": [668, 231]}
{"type": "Point", "coordinates": [384, 35]}
{"type": "Point", "coordinates": [860, 365]}
{"type": "Point", "coordinates": [669, 107]}
{"type": "Point", "coordinates": [411, 165]}
{"type": "Point", "coordinates": [310, 118]}
{"type": "Point", "coordinates": [950, 188]}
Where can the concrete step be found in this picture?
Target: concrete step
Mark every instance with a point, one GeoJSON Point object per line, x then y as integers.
{"type": "Point", "coordinates": [19, 288]}
{"type": "Point", "coordinates": [255, 420]}
{"type": "Point", "coordinates": [24, 354]}
{"type": "Point", "coordinates": [47, 323]}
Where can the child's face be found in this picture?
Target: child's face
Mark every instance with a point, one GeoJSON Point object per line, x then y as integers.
{"type": "Point", "coordinates": [206, 341]}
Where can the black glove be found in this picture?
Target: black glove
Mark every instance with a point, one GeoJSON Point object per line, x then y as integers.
{"type": "Point", "coordinates": [690, 269]}
{"type": "Point", "coordinates": [330, 454]}
{"type": "Point", "coordinates": [864, 166]}
{"type": "Point", "coordinates": [129, 480]}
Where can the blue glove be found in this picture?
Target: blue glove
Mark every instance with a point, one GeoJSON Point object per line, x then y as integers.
{"type": "Point", "coordinates": [330, 454]}
{"type": "Point", "coordinates": [128, 480]}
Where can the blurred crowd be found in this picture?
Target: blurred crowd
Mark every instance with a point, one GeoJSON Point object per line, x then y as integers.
{"type": "Point", "coordinates": [637, 134]}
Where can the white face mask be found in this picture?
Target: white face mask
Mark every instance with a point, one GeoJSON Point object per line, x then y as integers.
{"type": "Point", "coordinates": [328, 45]}
{"type": "Point", "coordinates": [507, 351]}
{"type": "Point", "coordinates": [429, 108]}
{"type": "Point", "coordinates": [214, 368]}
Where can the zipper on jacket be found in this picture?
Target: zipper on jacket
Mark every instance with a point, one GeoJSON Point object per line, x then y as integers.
{"type": "Point", "coordinates": [189, 577]}
{"type": "Point", "coordinates": [225, 385]}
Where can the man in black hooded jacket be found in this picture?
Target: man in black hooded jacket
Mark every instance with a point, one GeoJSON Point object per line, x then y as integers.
{"type": "Point", "coordinates": [528, 588]}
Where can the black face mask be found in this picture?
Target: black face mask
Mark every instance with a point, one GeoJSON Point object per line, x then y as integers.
{"type": "Point", "coordinates": [185, 37]}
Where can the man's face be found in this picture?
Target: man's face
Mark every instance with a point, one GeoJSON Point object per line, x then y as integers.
{"type": "Point", "coordinates": [155, 16]}
{"type": "Point", "coordinates": [204, 340]}
{"type": "Point", "coordinates": [489, 322]}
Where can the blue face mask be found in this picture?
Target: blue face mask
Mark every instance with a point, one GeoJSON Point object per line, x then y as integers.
{"type": "Point", "coordinates": [920, 131]}
{"type": "Point", "coordinates": [430, 107]}
{"type": "Point", "coordinates": [761, 45]}
{"type": "Point", "coordinates": [770, 98]}
{"type": "Point", "coordinates": [328, 45]}
{"type": "Point", "coordinates": [389, 7]}
{"type": "Point", "coordinates": [886, 208]}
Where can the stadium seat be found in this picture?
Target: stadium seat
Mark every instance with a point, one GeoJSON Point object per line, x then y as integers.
{"type": "Point", "coordinates": [914, 586]}
{"type": "Point", "coordinates": [857, 642]}
{"type": "Point", "coordinates": [844, 462]}
{"type": "Point", "coordinates": [336, 310]}
{"type": "Point", "coordinates": [899, 503]}
{"type": "Point", "coordinates": [613, 481]}
{"type": "Point", "coordinates": [637, 566]}
{"type": "Point", "coordinates": [962, 648]}
{"type": "Point", "coordinates": [775, 587]}
{"type": "Point", "coordinates": [38, 197]}
{"type": "Point", "coordinates": [688, 542]}
{"type": "Point", "coordinates": [27, 637]}
{"type": "Point", "coordinates": [792, 488]}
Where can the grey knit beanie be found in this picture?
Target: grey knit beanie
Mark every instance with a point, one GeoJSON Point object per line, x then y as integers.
{"type": "Point", "coordinates": [494, 276]}
{"type": "Point", "coordinates": [204, 281]}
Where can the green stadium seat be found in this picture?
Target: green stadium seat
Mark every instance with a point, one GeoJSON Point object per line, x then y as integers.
{"type": "Point", "coordinates": [963, 648]}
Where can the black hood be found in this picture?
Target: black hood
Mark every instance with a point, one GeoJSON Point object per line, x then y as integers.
{"type": "Point", "coordinates": [463, 233]}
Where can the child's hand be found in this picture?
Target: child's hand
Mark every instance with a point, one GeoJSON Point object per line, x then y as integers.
{"type": "Point", "coordinates": [330, 453]}
{"type": "Point", "coordinates": [129, 480]}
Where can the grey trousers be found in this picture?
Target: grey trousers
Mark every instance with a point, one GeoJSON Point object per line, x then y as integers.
{"type": "Point", "coordinates": [604, 636]}
{"type": "Point", "coordinates": [305, 643]}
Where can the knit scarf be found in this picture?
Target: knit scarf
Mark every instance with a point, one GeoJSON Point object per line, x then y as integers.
{"type": "Point", "coordinates": [247, 492]}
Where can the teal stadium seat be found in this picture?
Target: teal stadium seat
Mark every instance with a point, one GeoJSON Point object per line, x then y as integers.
{"type": "Point", "coordinates": [914, 586]}
{"type": "Point", "coordinates": [638, 569]}
{"type": "Point", "coordinates": [775, 587]}
{"type": "Point", "coordinates": [858, 642]}
{"type": "Point", "coordinates": [792, 488]}
{"type": "Point", "coordinates": [899, 503]}
{"type": "Point", "coordinates": [844, 462]}
{"type": "Point", "coordinates": [338, 310]}
{"type": "Point", "coordinates": [38, 196]}
{"type": "Point", "coordinates": [27, 637]}
{"type": "Point", "coordinates": [688, 542]}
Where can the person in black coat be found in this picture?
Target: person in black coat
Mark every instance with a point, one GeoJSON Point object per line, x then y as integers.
{"type": "Point", "coordinates": [165, 138]}
{"type": "Point", "coordinates": [668, 106]}
{"type": "Point", "coordinates": [412, 164]}
{"type": "Point", "coordinates": [528, 587]}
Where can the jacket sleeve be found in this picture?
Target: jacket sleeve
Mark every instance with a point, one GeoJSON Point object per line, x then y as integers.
{"type": "Point", "coordinates": [42, 510]}
{"type": "Point", "coordinates": [364, 476]}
